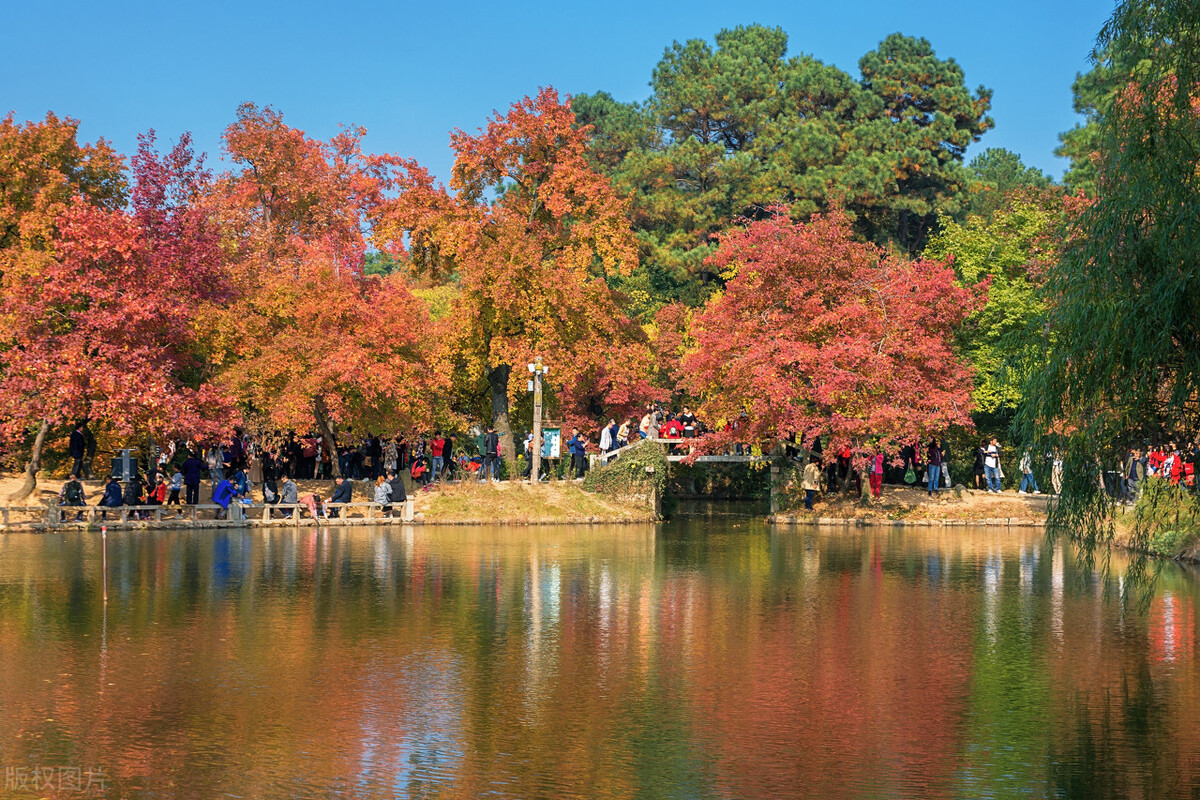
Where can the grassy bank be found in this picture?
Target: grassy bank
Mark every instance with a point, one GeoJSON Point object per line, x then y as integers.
{"type": "Point", "coordinates": [908, 503]}
{"type": "Point", "coordinates": [559, 501]}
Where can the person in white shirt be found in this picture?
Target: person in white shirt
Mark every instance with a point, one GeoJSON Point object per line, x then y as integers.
{"type": "Point", "coordinates": [991, 466]}
{"type": "Point", "coordinates": [606, 442]}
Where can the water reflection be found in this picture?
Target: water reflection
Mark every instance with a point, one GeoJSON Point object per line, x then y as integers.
{"type": "Point", "coordinates": [709, 658]}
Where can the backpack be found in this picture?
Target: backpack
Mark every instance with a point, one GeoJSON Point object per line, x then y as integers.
{"type": "Point", "coordinates": [74, 492]}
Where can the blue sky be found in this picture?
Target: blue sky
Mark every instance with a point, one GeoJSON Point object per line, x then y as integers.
{"type": "Point", "coordinates": [412, 72]}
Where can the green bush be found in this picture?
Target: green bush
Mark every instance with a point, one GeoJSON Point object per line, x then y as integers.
{"type": "Point", "coordinates": [1166, 518]}
{"type": "Point", "coordinates": [639, 468]}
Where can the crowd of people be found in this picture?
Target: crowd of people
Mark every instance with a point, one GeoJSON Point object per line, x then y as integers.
{"type": "Point", "coordinates": [655, 423]}
{"type": "Point", "coordinates": [240, 464]}
{"type": "Point", "coordinates": [926, 464]}
{"type": "Point", "coordinates": [237, 466]}
{"type": "Point", "coordinates": [1170, 461]}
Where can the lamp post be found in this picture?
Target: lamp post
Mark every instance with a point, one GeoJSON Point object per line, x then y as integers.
{"type": "Point", "coordinates": [538, 369]}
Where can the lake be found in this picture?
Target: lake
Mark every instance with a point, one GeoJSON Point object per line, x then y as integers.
{"type": "Point", "coordinates": [710, 657]}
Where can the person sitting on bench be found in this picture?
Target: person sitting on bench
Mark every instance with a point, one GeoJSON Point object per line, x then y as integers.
{"type": "Point", "coordinates": [223, 495]}
{"type": "Point", "coordinates": [112, 496]}
{"type": "Point", "coordinates": [289, 494]}
{"type": "Point", "coordinates": [343, 492]}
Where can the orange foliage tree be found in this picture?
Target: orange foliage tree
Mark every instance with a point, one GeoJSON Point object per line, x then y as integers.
{"type": "Point", "coordinates": [530, 231]}
{"type": "Point", "coordinates": [310, 339]}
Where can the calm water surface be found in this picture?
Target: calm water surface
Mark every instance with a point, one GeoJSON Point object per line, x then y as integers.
{"type": "Point", "coordinates": [709, 657]}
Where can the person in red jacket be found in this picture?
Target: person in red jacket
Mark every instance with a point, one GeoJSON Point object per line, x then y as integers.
{"type": "Point", "coordinates": [1154, 460]}
{"type": "Point", "coordinates": [1175, 465]}
{"type": "Point", "coordinates": [437, 447]}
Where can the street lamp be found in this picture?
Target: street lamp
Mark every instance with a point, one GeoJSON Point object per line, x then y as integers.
{"type": "Point", "coordinates": [538, 369]}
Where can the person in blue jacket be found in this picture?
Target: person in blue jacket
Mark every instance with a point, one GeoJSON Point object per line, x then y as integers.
{"type": "Point", "coordinates": [192, 469]}
{"type": "Point", "coordinates": [223, 495]}
{"type": "Point", "coordinates": [578, 449]}
{"type": "Point", "coordinates": [112, 495]}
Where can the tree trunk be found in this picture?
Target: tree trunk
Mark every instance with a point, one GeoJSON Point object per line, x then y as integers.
{"type": "Point", "coordinates": [35, 465]}
{"type": "Point", "coordinates": [326, 429]}
{"type": "Point", "coordinates": [847, 482]}
{"type": "Point", "coordinates": [904, 230]}
{"type": "Point", "coordinates": [498, 380]}
{"type": "Point", "coordinates": [89, 455]}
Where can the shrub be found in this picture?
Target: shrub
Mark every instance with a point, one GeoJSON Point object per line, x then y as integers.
{"type": "Point", "coordinates": [1166, 518]}
{"type": "Point", "coordinates": [638, 469]}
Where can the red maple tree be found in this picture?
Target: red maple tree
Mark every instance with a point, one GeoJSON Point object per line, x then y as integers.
{"type": "Point", "coordinates": [105, 328]}
{"type": "Point", "coordinates": [818, 334]}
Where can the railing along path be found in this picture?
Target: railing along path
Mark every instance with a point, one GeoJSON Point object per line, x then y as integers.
{"type": "Point", "coordinates": [51, 516]}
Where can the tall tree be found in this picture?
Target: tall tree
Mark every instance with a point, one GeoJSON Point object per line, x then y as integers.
{"type": "Point", "coordinates": [819, 334]}
{"type": "Point", "coordinates": [929, 119]}
{"type": "Point", "coordinates": [106, 328]}
{"type": "Point", "coordinates": [997, 174]}
{"type": "Point", "coordinates": [1122, 332]}
{"type": "Point", "coordinates": [529, 230]}
{"type": "Point", "coordinates": [734, 129]}
{"type": "Point", "coordinates": [1011, 250]}
{"type": "Point", "coordinates": [310, 341]}
{"type": "Point", "coordinates": [43, 169]}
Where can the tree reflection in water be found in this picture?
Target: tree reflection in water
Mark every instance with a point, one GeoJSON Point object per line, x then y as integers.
{"type": "Point", "coordinates": [706, 658]}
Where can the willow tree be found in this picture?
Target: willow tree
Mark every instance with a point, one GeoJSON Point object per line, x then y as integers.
{"type": "Point", "coordinates": [1122, 329]}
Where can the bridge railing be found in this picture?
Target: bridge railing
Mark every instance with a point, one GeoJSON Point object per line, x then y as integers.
{"type": "Point", "coordinates": [611, 455]}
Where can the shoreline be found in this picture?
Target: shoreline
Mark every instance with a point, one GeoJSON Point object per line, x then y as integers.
{"type": "Point", "coordinates": [461, 503]}
{"type": "Point", "coordinates": [307, 522]}
{"type": "Point", "coordinates": [928, 522]}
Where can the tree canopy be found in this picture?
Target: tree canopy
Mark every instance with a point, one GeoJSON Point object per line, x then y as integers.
{"type": "Point", "coordinates": [998, 173]}
{"type": "Point", "coordinates": [731, 131]}
{"type": "Point", "coordinates": [818, 334]}
{"type": "Point", "coordinates": [530, 231]}
{"type": "Point", "coordinates": [1011, 251]}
